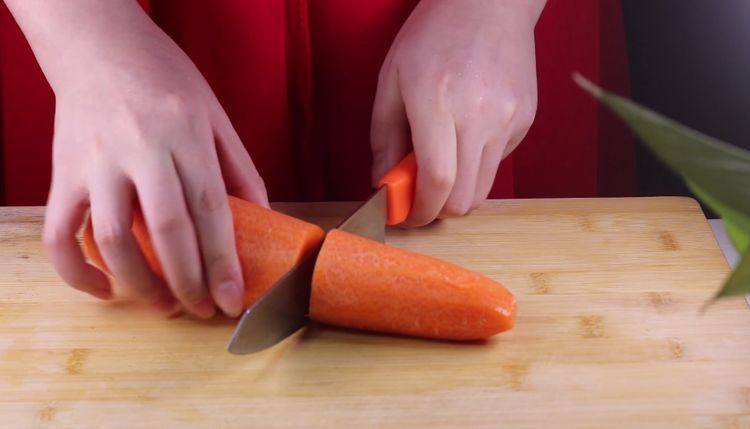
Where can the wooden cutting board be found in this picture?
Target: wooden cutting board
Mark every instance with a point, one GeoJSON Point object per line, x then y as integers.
{"type": "Point", "coordinates": [608, 335]}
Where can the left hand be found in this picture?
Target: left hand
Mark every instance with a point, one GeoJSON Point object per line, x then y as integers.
{"type": "Point", "coordinates": [459, 85]}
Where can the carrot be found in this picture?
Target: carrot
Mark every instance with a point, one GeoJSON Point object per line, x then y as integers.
{"type": "Point", "coordinates": [363, 284]}
{"type": "Point", "coordinates": [268, 243]}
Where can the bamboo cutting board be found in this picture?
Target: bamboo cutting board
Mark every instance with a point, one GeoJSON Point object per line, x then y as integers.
{"type": "Point", "coordinates": [608, 335]}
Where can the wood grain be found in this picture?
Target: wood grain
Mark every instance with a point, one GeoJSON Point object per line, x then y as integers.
{"type": "Point", "coordinates": [608, 335]}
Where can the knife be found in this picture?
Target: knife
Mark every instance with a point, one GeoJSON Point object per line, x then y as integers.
{"type": "Point", "coordinates": [283, 309]}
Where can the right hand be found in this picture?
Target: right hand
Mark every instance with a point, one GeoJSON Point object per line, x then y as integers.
{"type": "Point", "coordinates": [139, 123]}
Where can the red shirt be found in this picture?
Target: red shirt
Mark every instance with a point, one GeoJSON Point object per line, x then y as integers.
{"type": "Point", "coordinates": [298, 78]}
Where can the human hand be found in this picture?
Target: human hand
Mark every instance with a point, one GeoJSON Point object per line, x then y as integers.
{"type": "Point", "coordinates": [459, 85]}
{"type": "Point", "coordinates": [136, 121]}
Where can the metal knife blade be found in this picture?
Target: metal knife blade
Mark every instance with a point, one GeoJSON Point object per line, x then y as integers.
{"type": "Point", "coordinates": [369, 219]}
{"type": "Point", "coordinates": [277, 314]}
{"type": "Point", "coordinates": [283, 309]}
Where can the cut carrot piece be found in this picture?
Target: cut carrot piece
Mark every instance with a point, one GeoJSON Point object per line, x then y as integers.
{"type": "Point", "coordinates": [363, 284]}
{"type": "Point", "coordinates": [269, 243]}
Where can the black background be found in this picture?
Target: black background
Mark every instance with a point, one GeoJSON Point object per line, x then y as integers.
{"type": "Point", "coordinates": [689, 60]}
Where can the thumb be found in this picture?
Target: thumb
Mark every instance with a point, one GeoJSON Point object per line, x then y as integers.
{"type": "Point", "coordinates": [390, 139]}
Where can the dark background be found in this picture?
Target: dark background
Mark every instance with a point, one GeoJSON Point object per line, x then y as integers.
{"type": "Point", "coordinates": [689, 60]}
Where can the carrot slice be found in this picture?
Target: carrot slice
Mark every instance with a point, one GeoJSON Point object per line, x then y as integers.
{"type": "Point", "coordinates": [363, 284]}
{"type": "Point", "coordinates": [268, 243]}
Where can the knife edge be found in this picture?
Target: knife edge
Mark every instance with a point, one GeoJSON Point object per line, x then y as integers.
{"type": "Point", "coordinates": [280, 312]}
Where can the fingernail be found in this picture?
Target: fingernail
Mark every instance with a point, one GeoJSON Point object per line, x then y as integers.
{"type": "Point", "coordinates": [229, 297]}
{"type": "Point", "coordinates": [205, 309]}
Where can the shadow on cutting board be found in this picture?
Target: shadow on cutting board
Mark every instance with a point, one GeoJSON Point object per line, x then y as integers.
{"type": "Point", "coordinates": [345, 362]}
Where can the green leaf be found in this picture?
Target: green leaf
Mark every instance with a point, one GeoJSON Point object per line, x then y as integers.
{"type": "Point", "coordinates": [737, 284]}
{"type": "Point", "coordinates": [736, 223]}
{"type": "Point", "coordinates": [718, 173]}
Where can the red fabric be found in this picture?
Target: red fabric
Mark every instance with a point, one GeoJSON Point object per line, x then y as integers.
{"type": "Point", "coordinates": [616, 166]}
{"type": "Point", "coordinates": [27, 112]}
{"type": "Point", "coordinates": [573, 145]}
{"type": "Point", "coordinates": [298, 77]}
{"type": "Point", "coordinates": [241, 48]}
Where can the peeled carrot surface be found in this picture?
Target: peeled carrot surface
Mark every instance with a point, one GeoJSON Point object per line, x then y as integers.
{"type": "Point", "coordinates": [363, 284]}
{"type": "Point", "coordinates": [268, 243]}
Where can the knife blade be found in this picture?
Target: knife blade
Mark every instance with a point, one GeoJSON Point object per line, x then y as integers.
{"type": "Point", "coordinates": [279, 313]}
{"type": "Point", "coordinates": [369, 219]}
{"type": "Point", "coordinates": [283, 309]}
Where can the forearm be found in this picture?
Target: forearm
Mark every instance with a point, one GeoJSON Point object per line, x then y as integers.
{"type": "Point", "coordinates": [66, 35]}
{"type": "Point", "coordinates": [529, 9]}
{"type": "Point", "coordinates": [535, 8]}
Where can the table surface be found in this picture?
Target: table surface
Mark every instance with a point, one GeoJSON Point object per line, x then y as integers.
{"type": "Point", "coordinates": [608, 334]}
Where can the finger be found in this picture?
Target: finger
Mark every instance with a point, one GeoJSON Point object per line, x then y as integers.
{"type": "Point", "coordinates": [523, 119]}
{"type": "Point", "coordinates": [171, 229]}
{"type": "Point", "coordinates": [207, 201]}
{"type": "Point", "coordinates": [389, 128]}
{"type": "Point", "coordinates": [468, 161]}
{"type": "Point", "coordinates": [112, 219]}
{"type": "Point", "coordinates": [239, 172]}
{"type": "Point", "coordinates": [65, 212]}
{"type": "Point", "coordinates": [434, 139]}
{"type": "Point", "coordinates": [492, 154]}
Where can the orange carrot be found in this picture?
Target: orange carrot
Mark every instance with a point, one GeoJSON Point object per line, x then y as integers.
{"type": "Point", "coordinates": [360, 283]}
{"type": "Point", "coordinates": [268, 243]}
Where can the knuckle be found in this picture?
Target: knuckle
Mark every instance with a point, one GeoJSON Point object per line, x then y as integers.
{"type": "Point", "coordinates": [165, 109]}
{"type": "Point", "coordinates": [528, 116]}
{"type": "Point", "coordinates": [440, 179]}
{"type": "Point", "coordinates": [477, 99]}
{"type": "Point", "coordinates": [222, 267]}
{"type": "Point", "coordinates": [133, 124]}
{"type": "Point", "coordinates": [111, 235]}
{"type": "Point", "coordinates": [176, 103]}
{"type": "Point", "coordinates": [211, 200]}
{"type": "Point", "coordinates": [507, 109]}
{"type": "Point", "coordinates": [170, 223]}
{"type": "Point", "coordinates": [190, 292]}
{"type": "Point", "coordinates": [53, 236]}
